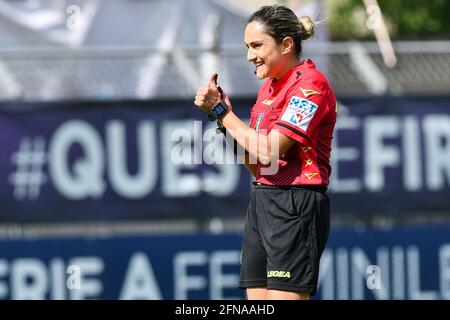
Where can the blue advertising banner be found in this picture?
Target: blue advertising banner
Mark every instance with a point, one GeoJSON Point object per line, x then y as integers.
{"type": "Point", "coordinates": [97, 161]}
{"type": "Point", "coordinates": [402, 263]}
{"type": "Point", "coordinates": [122, 160]}
{"type": "Point", "coordinates": [392, 154]}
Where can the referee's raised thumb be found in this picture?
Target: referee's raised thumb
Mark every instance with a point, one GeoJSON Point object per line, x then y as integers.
{"type": "Point", "coordinates": [224, 97]}
{"type": "Point", "coordinates": [213, 81]}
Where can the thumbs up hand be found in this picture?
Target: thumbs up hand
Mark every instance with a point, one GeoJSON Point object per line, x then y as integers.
{"type": "Point", "coordinates": [208, 96]}
{"type": "Point", "coordinates": [213, 81]}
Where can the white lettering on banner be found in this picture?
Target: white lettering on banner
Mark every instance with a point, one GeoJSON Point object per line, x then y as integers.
{"type": "Point", "coordinates": [176, 144]}
{"type": "Point", "coordinates": [58, 274]}
{"type": "Point", "coordinates": [183, 281]}
{"type": "Point", "coordinates": [341, 154]}
{"type": "Point", "coordinates": [29, 279]}
{"type": "Point", "coordinates": [413, 267]}
{"type": "Point", "coordinates": [383, 264]}
{"type": "Point", "coordinates": [140, 280]}
{"type": "Point", "coordinates": [215, 150]}
{"type": "Point", "coordinates": [359, 267]}
{"type": "Point", "coordinates": [32, 279]}
{"type": "Point", "coordinates": [378, 155]}
{"type": "Point", "coordinates": [227, 175]}
{"type": "Point", "coordinates": [345, 273]}
{"type": "Point", "coordinates": [89, 287]}
{"type": "Point", "coordinates": [87, 179]}
{"type": "Point", "coordinates": [178, 155]}
{"type": "Point", "coordinates": [398, 271]}
{"type": "Point", "coordinates": [220, 281]}
{"type": "Point", "coordinates": [181, 137]}
{"type": "Point", "coordinates": [144, 181]}
{"type": "Point", "coordinates": [334, 282]}
{"type": "Point", "coordinates": [444, 268]}
{"type": "Point", "coordinates": [360, 264]}
{"type": "Point", "coordinates": [404, 152]}
{"type": "Point", "coordinates": [4, 270]}
{"type": "Point", "coordinates": [412, 171]}
{"type": "Point", "coordinates": [419, 148]}
{"type": "Point", "coordinates": [437, 144]}
{"type": "Point", "coordinates": [326, 275]}
{"type": "Point", "coordinates": [181, 151]}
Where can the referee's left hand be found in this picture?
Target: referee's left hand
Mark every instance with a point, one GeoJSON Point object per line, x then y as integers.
{"type": "Point", "coordinates": [208, 96]}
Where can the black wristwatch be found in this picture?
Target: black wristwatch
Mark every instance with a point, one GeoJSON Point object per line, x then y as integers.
{"type": "Point", "coordinates": [218, 111]}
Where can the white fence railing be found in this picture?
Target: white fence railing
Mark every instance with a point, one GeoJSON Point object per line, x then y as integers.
{"type": "Point", "coordinates": [354, 68]}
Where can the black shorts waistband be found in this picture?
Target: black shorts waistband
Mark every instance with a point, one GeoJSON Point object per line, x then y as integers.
{"type": "Point", "coordinates": [321, 188]}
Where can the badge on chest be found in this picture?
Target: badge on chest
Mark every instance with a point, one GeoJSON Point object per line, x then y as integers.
{"type": "Point", "coordinates": [258, 121]}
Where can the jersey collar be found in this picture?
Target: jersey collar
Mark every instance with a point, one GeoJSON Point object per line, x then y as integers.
{"type": "Point", "coordinates": [305, 64]}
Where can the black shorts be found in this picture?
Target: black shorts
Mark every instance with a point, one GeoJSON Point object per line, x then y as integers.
{"type": "Point", "coordinates": [286, 230]}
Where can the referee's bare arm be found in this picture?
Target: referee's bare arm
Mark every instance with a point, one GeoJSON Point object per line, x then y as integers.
{"type": "Point", "coordinates": [264, 148]}
{"type": "Point", "coordinates": [243, 155]}
{"type": "Point", "coordinates": [248, 163]}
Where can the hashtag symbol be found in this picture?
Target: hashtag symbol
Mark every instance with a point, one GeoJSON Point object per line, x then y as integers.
{"type": "Point", "coordinates": [29, 176]}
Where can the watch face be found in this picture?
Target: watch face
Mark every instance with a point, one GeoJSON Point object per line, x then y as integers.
{"type": "Point", "coordinates": [219, 109]}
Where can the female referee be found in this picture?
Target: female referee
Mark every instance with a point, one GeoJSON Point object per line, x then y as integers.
{"type": "Point", "coordinates": [292, 123]}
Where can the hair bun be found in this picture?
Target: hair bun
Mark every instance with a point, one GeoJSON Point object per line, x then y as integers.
{"type": "Point", "coordinates": [307, 27]}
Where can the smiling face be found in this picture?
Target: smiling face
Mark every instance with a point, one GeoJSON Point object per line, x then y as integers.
{"type": "Point", "coordinates": [269, 57]}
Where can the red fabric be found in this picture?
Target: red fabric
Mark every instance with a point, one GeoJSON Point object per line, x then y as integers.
{"type": "Point", "coordinates": [302, 106]}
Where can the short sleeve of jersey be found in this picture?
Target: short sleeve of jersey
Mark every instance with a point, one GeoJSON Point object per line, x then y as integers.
{"type": "Point", "coordinates": [306, 105]}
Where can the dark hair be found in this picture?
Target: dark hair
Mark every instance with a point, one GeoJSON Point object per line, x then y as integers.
{"type": "Point", "coordinates": [280, 22]}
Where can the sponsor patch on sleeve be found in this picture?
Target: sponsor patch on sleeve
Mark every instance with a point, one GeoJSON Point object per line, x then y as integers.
{"type": "Point", "coordinates": [299, 112]}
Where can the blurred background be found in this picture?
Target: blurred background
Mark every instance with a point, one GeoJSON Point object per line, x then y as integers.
{"type": "Point", "coordinates": [114, 185]}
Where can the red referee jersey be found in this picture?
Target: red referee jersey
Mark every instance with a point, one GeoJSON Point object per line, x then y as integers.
{"type": "Point", "coordinates": [302, 106]}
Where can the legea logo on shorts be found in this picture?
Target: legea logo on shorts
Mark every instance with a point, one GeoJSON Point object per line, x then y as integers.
{"type": "Point", "coordinates": [278, 274]}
